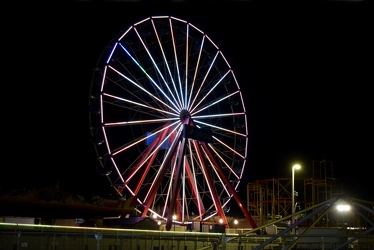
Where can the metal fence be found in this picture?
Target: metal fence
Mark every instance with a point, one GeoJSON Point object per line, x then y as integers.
{"type": "Point", "coordinates": [43, 237]}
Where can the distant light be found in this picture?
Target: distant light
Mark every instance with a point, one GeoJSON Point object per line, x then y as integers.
{"type": "Point", "coordinates": [343, 207]}
{"type": "Point", "coordinates": [236, 222]}
{"type": "Point", "coordinates": [220, 220]}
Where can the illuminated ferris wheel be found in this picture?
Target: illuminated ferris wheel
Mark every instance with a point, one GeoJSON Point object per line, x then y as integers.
{"type": "Point", "coordinates": [170, 121]}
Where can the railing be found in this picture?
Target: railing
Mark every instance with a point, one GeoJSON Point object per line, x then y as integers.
{"type": "Point", "coordinates": [15, 236]}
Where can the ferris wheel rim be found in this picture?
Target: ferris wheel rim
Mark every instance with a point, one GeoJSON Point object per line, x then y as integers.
{"type": "Point", "coordinates": [169, 112]}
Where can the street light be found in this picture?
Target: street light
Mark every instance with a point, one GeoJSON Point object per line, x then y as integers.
{"type": "Point", "coordinates": [236, 224]}
{"type": "Point", "coordinates": [293, 193]}
{"type": "Point", "coordinates": [174, 218]}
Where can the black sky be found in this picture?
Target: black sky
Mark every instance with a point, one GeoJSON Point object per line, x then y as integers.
{"type": "Point", "coordinates": [306, 71]}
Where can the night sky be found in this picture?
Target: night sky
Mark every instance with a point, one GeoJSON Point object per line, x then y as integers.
{"type": "Point", "coordinates": [306, 71]}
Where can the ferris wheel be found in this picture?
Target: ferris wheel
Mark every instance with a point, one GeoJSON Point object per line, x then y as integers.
{"type": "Point", "coordinates": [169, 121]}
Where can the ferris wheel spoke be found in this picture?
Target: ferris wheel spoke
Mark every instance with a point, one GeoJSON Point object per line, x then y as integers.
{"type": "Point", "coordinates": [175, 181]}
{"type": "Point", "coordinates": [214, 103]}
{"type": "Point", "coordinates": [191, 176]}
{"type": "Point", "coordinates": [212, 189]}
{"type": "Point", "coordinates": [233, 132]}
{"type": "Point", "coordinates": [231, 149]}
{"type": "Point", "coordinates": [163, 168]}
{"type": "Point", "coordinates": [179, 101]}
{"type": "Point", "coordinates": [176, 64]}
{"type": "Point", "coordinates": [221, 175]}
{"type": "Point", "coordinates": [141, 139]}
{"type": "Point", "coordinates": [148, 155]}
{"type": "Point", "coordinates": [176, 109]}
{"type": "Point", "coordinates": [140, 104]}
{"type": "Point", "coordinates": [202, 85]}
{"type": "Point", "coordinates": [212, 161]}
{"type": "Point", "coordinates": [186, 76]}
{"type": "Point", "coordinates": [158, 69]}
{"type": "Point", "coordinates": [210, 116]}
{"type": "Point", "coordinates": [195, 74]}
{"type": "Point", "coordinates": [209, 92]}
{"type": "Point", "coordinates": [219, 183]}
{"type": "Point", "coordinates": [147, 158]}
{"type": "Point", "coordinates": [192, 181]}
{"type": "Point", "coordinates": [224, 161]}
{"type": "Point", "coordinates": [149, 77]}
{"type": "Point", "coordinates": [139, 122]}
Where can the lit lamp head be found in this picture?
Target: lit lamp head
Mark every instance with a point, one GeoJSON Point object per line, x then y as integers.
{"type": "Point", "coordinates": [296, 166]}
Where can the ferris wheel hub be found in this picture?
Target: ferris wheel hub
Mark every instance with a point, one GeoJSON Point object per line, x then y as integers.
{"type": "Point", "coordinates": [184, 114]}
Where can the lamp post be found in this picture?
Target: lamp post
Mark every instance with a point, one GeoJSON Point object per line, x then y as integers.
{"type": "Point", "coordinates": [293, 193]}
